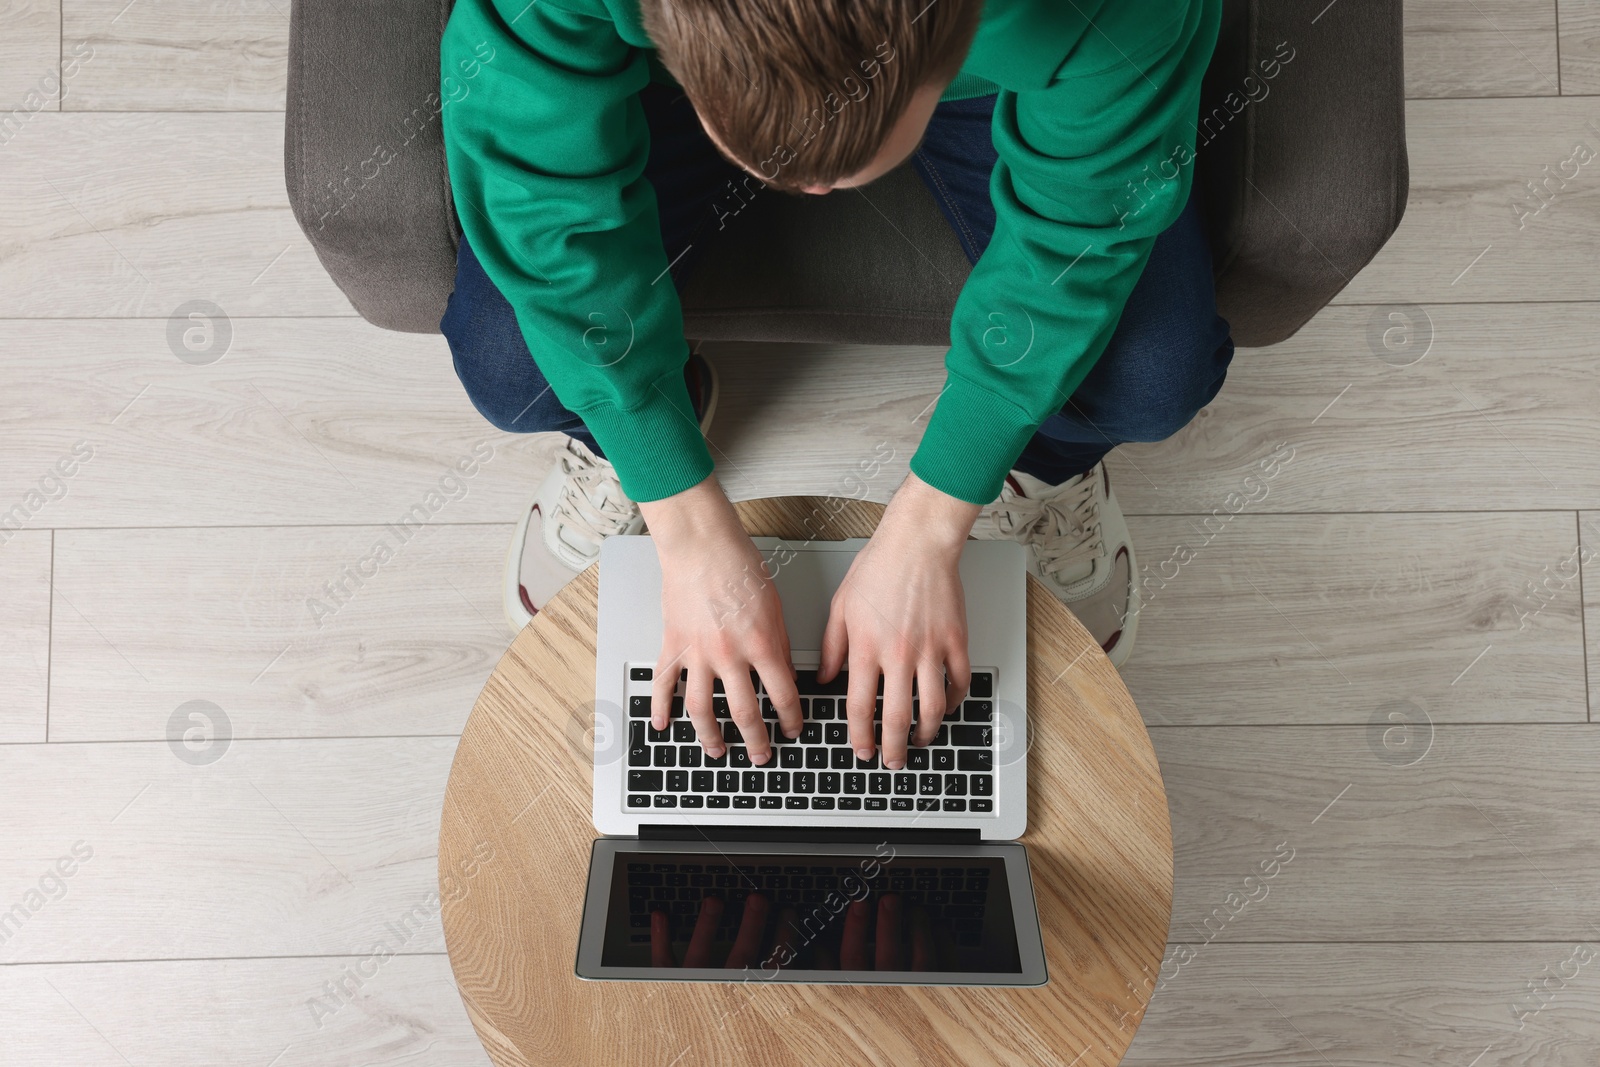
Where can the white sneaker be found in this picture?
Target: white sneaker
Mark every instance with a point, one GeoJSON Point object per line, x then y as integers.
{"type": "Point", "coordinates": [579, 504]}
{"type": "Point", "coordinates": [1079, 547]}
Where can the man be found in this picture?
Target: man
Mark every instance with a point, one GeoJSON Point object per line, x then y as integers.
{"type": "Point", "coordinates": [606, 142]}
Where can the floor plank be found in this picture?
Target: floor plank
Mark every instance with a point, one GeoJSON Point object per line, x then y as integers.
{"type": "Point", "coordinates": [1589, 581]}
{"type": "Point", "coordinates": [142, 220]}
{"type": "Point", "coordinates": [401, 1010]}
{"type": "Point", "coordinates": [1471, 162]}
{"type": "Point", "coordinates": [1580, 47]}
{"type": "Point", "coordinates": [1375, 1006]}
{"type": "Point", "coordinates": [1486, 836]}
{"type": "Point", "coordinates": [276, 848]}
{"type": "Point", "coordinates": [1498, 414]}
{"type": "Point", "coordinates": [302, 421]}
{"type": "Point", "coordinates": [194, 55]}
{"type": "Point", "coordinates": [293, 632]}
{"type": "Point", "coordinates": [24, 634]}
{"type": "Point", "coordinates": [30, 58]}
{"type": "Point", "coordinates": [1480, 48]}
{"type": "Point", "coordinates": [1352, 613]}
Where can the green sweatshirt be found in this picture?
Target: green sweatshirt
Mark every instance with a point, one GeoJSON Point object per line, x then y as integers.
{"type": "Point", "coordinates": [546, 143]}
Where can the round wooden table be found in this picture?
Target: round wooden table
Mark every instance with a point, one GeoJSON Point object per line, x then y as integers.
{"type": "Point", "coordinates": [514, 856]}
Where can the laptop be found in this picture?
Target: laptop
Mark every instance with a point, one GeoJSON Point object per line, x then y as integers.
{"type": "Point", "coordinates": [818, 866]}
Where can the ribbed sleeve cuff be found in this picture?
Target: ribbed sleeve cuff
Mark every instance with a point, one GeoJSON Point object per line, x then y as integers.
{"type": "Point", "coordinates": [972, 439]}
{"type": "Point", "coordinates": [656, 447]}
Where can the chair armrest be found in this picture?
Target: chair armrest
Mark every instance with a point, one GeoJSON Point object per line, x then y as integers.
{"type": "Point", "coordinates": [1307, 180]}
{"type": "Point", "coordinates": [364, 154]}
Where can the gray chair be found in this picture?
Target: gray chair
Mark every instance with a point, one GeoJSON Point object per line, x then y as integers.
{"type": "Point", "coordinates": [1303, 184]}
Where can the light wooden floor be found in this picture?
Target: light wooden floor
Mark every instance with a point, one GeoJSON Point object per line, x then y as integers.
{"type": "Point", "coordinates": [1415, 560]}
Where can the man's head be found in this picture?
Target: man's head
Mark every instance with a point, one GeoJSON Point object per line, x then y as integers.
{"type": "Point", "coordinates": [813, 95]}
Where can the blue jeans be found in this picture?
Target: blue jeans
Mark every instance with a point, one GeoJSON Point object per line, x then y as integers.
{"type": "Point", "coordinates": [1166, 359]}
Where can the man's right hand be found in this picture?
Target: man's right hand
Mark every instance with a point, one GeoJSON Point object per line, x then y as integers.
{"type": "Point", "coordinates": [721, 619]}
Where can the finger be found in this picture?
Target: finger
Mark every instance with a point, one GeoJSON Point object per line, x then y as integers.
{"type": "Point", "coordinates": [752, 924]}
{"type": "Point", "coordinates": [931, 698]}
{"type": "Point", "coordinates": [662, 687]}
{"type": "Point", "coordinates": [746, 715]}
{"type": "Point", "coordinates": [784, 945]}
{"type": "Point", "coordinates": [957, 675]}
{"type": "Point", "coordinates": [861, 702]}
{"type": "Point", "coordinates": [921, 941]}
{"type": "Point", "coordinates": [896, 715]}
{"type": "Point", "coordinates": [888, 944]}
{"type": "Point", "coordinates": [705, 931]}
{"type": "Point", "coordinates": [696, 698]}
{"type": "Point", "coordinates": [835, 644]}
{"type": "Point", "coordinates": [853, 945]}
{"type": "Point", "coordinates": [660, 941]}
{"type": "Point", "coordinates": [778, 677]}
{"type": "Point", "coordinates": [706, 728]}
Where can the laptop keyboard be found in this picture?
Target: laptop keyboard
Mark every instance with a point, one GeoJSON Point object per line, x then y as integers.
{"type": "Point", "coordinates": [817, 771]}
{"type": "Point", "coordinates": [948, 892]}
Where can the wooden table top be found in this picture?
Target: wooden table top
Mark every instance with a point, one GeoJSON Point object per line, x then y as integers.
{"type": "Point", "coordinates": [514, 855]}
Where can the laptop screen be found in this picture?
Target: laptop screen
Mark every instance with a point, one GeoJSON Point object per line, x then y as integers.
{"type": "Point", "coordinates": [847, 915]}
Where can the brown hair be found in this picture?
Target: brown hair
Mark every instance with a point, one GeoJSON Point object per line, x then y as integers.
{"type": "Point", "coordinates": [806, 91]}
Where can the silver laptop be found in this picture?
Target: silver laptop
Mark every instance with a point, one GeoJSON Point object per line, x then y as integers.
{"type": "Point", "coordinates": [817, 848]}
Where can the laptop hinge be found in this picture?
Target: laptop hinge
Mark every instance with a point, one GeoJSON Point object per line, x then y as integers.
{"type": "Point", "coordinates": [824, 835]}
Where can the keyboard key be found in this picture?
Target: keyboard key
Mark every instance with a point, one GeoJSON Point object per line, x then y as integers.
{"type": "Point", "coordinates": [977, 711]}
{"type": "Point", "coordinates": [855, 782]}
{"type": "Point", "coordinates": [955, 785]}
{"type": "Point", "coordinates": [929, 785]}
{"type": "Point", "coordinates": [716, 686]}
{"type": "Point", "coordinates": [640, 674]}
{"type": "Point", "coordinates": [842, 759]}
{"type": "Point", "coordinates": [867, 764]}
{"type": "Point", "coordinates": [717, 761]}
{"type": "Point", "coordinates": [683, 732]}
{"type": "Point", "coordinates": [967, 736]}
{"type": "Point", "coordinates": [975, 759]}
{"type": "Point", "coordinates": [728, 781]}
{"type": "Point", "coordinates": [880, 783]}
{"type": "Point", "coordinates": [777, 782]}
{"type": "Point", "coordinates": [767, 710]}
{"type": "Point", "coordinates": [771, 802]}
{"type": "Point", "coordinates": [744, 802]}
{"type": "Point", "coordinates": [791, 758]}
{"type": "Point", "coordinates": [901, 803]}
{"type": "Point", "coordinates": [807, 683]}
{"type": "Point", "coordinates": [700, 781]}
{"type": "Point", "coordinates": [836, 733]}
{"type": "Point", "coordinates": [666, 800]}
{"type": "Point", "coordinates": [716, 801]}
{"type": "Point", "coordinates": [979, 804]}
{"type": "Point", "coordinates": [689, 756]}
{"type": "Point", "coordinates": [954, 804]}
{"type": "Point", "coordinates": [875, 803]}
{"type": "Point", "coordinates": [755, 781]}
{"type": "Point", "coordinates": [982, 785]}
{"type": "Point", "coordinates": [822, 708]}
{"type": "Point", "coordinates": [805, 782]}
{"type": "Point", "coordinates": [779, 737]}
{"type": "Point", "coordinates": [677, 708]}
{"type": "Point", "coordinates": [730, 733]}
{"type": "Point", "coordinates": [828, 782]}
{"type": "Point", "coordinates": [738, 756]}
{"type": "Point", "coordinates": [638, 707]}
{"type": "Point", "coordinates": [905, 784]}
{"type": "Point", "coordinates": [638, 800]}
{"type": "Point", "coordinates": [656, 737]}
{"type": "Point", "coordinates": [719, 707]}
{"type": "Point", "coordinates": [944, 759]}
{"type": "Point", "coordinates": [918, 759]}
{"type": "Point", "coordinates": [822, 803]}
{"type": "Point", "coordinates": [796, 802]}
{"type": "Point", "coordinates": [982, 684]}
{"type": "Point", "coordinates": [644, 781]}
{"type": "Point", "coordinates": [816, 758]}
{"type": "Point", "coordinates": [811, 733]}
{"type": "Point", "coordinates": [638, 751]}
{"type": "Point", "coordinates": [692, 801]}
{"type": "Point", "coordinates": [846, 803]}
{"type": "Point", "coordinates": [666, 756]}
{"type": "Point", "coordinates": [677, 781]}
{"type": "Point", "coordinates": [923, 803]}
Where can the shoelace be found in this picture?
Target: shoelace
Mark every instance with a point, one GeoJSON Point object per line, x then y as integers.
{"type": "Point", "coordinates": [592, 505]}
{"type": "Point", "coordinates": [1064, 529]}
